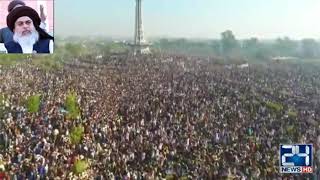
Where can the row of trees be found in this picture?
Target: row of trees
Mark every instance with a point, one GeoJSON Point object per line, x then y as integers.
{"type": "Point", "coordinates": [71, 110]}
{"type": "Point", "coordinates": [252, 48]}
{"type": "Point", "coordinates": [227, 46]}
{"type": "Point", "coordinates": [67, 50]}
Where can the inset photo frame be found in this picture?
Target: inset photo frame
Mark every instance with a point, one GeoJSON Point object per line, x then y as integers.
{"type": "Point", "coordinates": [26, 26]}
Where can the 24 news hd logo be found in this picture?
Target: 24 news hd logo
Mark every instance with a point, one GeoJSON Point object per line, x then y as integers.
{"type": "Point", "coordinates": [296, 158]}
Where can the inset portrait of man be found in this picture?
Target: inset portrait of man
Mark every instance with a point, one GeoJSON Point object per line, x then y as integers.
{"type": "Point", "coordinates": [28, 36]}
{"type": "Point", "coordinates": [5, 34]}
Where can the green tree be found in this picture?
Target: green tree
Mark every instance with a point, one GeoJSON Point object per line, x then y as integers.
{"type": "Point", "coordinates": [74, 49]}
{"type": "Point", "coordinates": [80, 166]}
{"type": "Point", "coordinates": [118, 48]}
{"type": "Point", "coordinates": [285, 47]}
{"type": "Point", "coordinates": [76, 134]}
{"type": "Point", "coordinates": [250, 47]}
{"type": "Point", "coordinates": [164, 41]}
{"type": "Point", "coordinates": [251, 43]}
{"type": "Point", "coordinates": [73, 110]}
{"type": "Point", "coordinates": [103, 49]}
{"type": "Point", "coordinates": [33, 103]}
{"type": "Point", "coordinates": [228, 42]}
{"type": "Point", "coordinates": [275, 107]}
{"type": "Point", "coordinates": [310, 48]}
{"type": "Point", "coordinates": [216, 46]}
{"type": "Point", "coordinates": [292, 114]}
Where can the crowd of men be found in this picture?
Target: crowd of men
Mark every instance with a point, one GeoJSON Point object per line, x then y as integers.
{"type": "Point", "coordinates": [158, 117]}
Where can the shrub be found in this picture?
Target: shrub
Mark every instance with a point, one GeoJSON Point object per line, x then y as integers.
{"type": "Point", "coordinates": [277, 107]}
{"type": "Point", "coordinates": [76, 134]}
{"type": "Point", "coordinates": [33, 103]}
{"type": "Point", "coordinates": [73, 110]}
{"type": "Point", "coordinates": [80, 166]}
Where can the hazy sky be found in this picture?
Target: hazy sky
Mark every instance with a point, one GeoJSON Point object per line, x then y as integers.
{"type": "Point", "coordinates": [190, 18]}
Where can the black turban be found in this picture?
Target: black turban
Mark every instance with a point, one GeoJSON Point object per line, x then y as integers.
{"type": "Point", "coordinates": [21, 11]}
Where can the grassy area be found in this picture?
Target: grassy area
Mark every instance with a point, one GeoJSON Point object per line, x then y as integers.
{"type": "Point", "coordinates": [12, 59]}
{"type": "Point", "coordinates": [301, 61]}
{"type": "Point", "coordinates": [63, 52]}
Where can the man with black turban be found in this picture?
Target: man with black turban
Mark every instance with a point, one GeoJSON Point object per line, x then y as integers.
{"type": "Point", "coordinates": [28, 37]}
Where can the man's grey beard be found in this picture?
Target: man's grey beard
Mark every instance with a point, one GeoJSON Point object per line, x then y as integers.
{"type": "Point", "coordinates": [26, 40]}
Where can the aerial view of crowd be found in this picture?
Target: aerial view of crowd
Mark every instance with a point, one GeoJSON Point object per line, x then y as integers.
{"type": "Point", "coordinates": [158, 117]}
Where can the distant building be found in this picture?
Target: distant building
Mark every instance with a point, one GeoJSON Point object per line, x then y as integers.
{"type": "Point", "coordinates": [246, 65]}
{"type": "Point", "coordinates": [280, 58]}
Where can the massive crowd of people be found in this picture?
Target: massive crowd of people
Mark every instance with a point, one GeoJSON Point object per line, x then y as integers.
{"type": "Point", "coordinates": [158, 117]}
